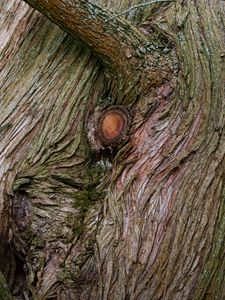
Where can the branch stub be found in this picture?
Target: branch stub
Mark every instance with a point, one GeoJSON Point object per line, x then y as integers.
{"type": "Point", "coordinates": [112, 125]}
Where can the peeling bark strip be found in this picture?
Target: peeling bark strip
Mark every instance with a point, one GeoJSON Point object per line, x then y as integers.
{"type": "Point", "coordinates": [147, 223]}
{"type": "Point", "coordinates": [120, 45]}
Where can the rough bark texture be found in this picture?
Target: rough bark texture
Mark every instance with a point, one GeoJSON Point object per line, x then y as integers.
{"type": "Point", "coordinates": [144, 220]}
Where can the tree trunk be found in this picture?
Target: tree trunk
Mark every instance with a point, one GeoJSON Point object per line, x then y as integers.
{"type": "Point", "coordinates": [112, 152]}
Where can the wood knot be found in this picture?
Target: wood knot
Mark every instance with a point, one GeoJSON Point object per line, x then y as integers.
{"type": "Point", "coordinates": [108, 127]}
{"type": "Point", "coordinates": [22, 210]}
{"type": "Point", "coordinates": [112, 125]}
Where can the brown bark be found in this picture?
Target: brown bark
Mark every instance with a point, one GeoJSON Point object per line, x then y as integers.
{"type": "Point", "coordinates": [144, 219]}
{"type": "Point", "coordinates": [120, 45]}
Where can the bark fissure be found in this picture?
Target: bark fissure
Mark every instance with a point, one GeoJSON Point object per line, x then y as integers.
{"type": "Point", "coordinates": [119, 44]}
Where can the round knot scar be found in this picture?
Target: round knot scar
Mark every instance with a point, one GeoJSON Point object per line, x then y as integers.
{"type": "Point", "coordinates": [113, 124]}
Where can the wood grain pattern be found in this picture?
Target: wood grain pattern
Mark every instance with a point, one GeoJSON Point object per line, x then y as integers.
{"type": "Point", "coordinates": [146, 222]}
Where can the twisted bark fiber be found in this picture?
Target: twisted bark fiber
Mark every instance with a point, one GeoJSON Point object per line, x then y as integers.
{"type": "Point", "coordinates": [144, 220]}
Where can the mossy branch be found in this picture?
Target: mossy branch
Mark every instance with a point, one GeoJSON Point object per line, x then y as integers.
{"type": "Point", "coordinates": [115, 43]}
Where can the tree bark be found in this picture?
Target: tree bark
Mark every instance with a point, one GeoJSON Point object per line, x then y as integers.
{"type": "Point", "coordinates": [142, 218]}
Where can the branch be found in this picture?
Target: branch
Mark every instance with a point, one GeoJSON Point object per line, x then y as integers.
{"type": "Point", "coordinates": [116, 43]}
{"type": "Point", "coordinates": [122, 47]}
